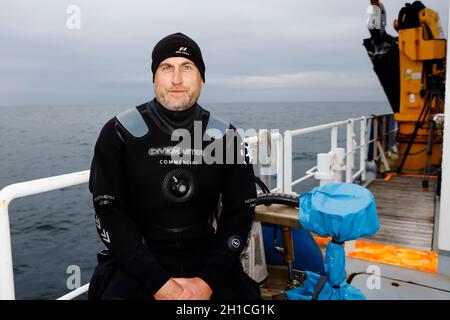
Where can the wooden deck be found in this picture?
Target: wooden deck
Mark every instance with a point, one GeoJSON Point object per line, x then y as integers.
{"type": "Point", "coordinates": [406, 212]}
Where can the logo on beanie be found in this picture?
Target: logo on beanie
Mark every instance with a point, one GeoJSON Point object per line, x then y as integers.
{"type": "Point", "coordinates": [182, 50]}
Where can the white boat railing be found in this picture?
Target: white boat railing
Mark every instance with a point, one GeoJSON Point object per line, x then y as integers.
{"type": "Point", "coordinates": [20, 190]}
{"type": "Point", "coordinates": [32, 187]}
{"type": "Point", "coordinates": [347, 154]}
{"type": "Point", "coordinates": [283, 171]}
{"type": "Point", "coordinates": [75, 293]}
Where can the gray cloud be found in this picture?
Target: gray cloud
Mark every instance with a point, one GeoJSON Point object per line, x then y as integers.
{"type": "Point", "coordinates": [255, 50]}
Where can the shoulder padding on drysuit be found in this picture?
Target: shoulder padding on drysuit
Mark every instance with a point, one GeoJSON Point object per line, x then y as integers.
{"type": "Point", "coordinates": [216, 128]}
{"type": "Point", "coordinates": [133, 122]}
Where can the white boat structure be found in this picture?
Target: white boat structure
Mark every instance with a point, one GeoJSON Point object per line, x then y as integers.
{"type": "Point", "coordinates": [409, 258]}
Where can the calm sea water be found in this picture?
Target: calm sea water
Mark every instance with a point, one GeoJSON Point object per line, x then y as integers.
{"type": "Point", "coordinates": [55, 230]}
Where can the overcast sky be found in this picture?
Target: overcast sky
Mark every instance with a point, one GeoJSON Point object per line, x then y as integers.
{"type": "Point", "coordinates": [254, 50]}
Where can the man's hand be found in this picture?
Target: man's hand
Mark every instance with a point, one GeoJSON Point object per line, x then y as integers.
{"type": "Point", "coordinates": [194, 289]}
{"type": "Point", "coordinates": [171, 290]}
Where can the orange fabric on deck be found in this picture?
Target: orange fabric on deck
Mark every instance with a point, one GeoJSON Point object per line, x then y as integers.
{"type": "Point", "coordinates": [399, 256]}
{"type": "Point", "coordinates": [388, 254]}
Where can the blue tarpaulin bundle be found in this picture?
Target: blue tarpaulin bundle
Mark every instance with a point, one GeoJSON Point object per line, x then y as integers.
{"type": "Point", "coordinates": [344, 212]}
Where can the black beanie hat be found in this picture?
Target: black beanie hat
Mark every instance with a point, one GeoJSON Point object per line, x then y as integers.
{"type": "Point", "coordinates": [177, 45]}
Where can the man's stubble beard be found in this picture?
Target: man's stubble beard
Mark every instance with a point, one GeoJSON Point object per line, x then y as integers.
{"type": "Point", "coordinates": [191, 100]}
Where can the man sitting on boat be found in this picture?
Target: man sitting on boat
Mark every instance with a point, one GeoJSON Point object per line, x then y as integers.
{"type": "Point", "coordinates": [155, 198]}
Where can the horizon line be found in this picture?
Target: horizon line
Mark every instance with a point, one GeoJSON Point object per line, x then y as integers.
{"type": "Point", "coordinates": [202, 103]}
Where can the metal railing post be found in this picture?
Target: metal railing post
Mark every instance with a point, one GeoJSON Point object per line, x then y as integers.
{"type": "Point", "coordinates": [280, 162]}
{"type": "Point", "coordinates": [350, 159]}
{"type": "Point", "coordinates": [6, 265]}
{"type": "Point", "coordinates": [287, 177]}
{"type": "Point", "coordinates": [375, 138]}
{"type": "Point", "coordinates": [363, 150]}
{"type": "Point", "coordinates": [383, 133]}
{"type": "Point", "coordinates": [334, 137]}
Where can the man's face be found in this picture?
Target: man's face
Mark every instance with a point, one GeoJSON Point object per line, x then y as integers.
{"type": "Point", "coordinates": [177, 83]}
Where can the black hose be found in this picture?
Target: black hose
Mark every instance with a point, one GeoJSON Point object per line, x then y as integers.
{"type": "Point", "coordinates": [419, 123]}
{"type": "Point", "coordinates": [277, 198]}
{"type": "Point", "coordinates": [262, 185]}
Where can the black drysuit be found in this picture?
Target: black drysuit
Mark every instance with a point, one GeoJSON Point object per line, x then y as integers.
{"type": "Point", "coordinates": [155, 212]}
